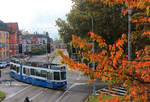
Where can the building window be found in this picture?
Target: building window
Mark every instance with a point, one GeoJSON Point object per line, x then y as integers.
{"type": "Point", "coordinates": [43, 41]}
{"type": "Point", "coordinates": [6, 35]}
{"type": "Point", "coordinates": [3, 34]}
{"type": "Point", "coordinates": [0, 34]}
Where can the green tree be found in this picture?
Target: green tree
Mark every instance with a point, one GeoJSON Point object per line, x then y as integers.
{"type": "Point", "coordinates": [65, 31]}
{"type": "Point", "coordinates": [38, 50]}
{"type": "Point", "coordinates": [108, 21]}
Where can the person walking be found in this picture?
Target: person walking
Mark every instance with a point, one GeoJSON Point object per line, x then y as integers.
{"type": "Point", "coordinates": [27, 99]}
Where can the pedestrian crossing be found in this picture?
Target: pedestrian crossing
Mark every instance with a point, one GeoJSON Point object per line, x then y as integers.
{"type": "Point", "coordinates": [120, 91]}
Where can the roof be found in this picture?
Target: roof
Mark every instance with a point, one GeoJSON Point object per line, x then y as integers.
{"type": "Point", "coordinates": [4, 27]}
{"type": "Point", "coordinates": [14, 27]}
{"type": "Point", "coordinates": [35, 35]}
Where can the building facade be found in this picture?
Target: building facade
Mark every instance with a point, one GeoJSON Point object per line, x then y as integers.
{"type": "Point", "coordinates": [32, 40]}
{"type": "Point", "coordinates": [4, 41]}
{"type": "Point", "coordinates": [15, 38]}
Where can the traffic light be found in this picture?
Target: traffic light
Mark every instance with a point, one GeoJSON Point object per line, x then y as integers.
{"type": "Point", "coordinates": [20, 48]}
{"type": "Point", "coordinates": [48, 48]}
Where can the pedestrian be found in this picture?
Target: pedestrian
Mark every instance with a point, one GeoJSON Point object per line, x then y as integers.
{"type": "Point", "coordinates": [27, 99]}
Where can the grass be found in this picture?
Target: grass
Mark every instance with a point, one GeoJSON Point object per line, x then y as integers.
{"type": "Point", "coordinates": [2, 94]}
{"type": "Point", "coordinates": [92, 99]}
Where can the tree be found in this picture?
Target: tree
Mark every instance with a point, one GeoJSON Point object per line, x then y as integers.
{"type": "Point", "coordinates": [112, 63]}
{"type": "Point", "coordinates": [65, 31]}
{"type": "Point", "coordinates": [106, 19]}
{"type": "Point", "coordinates": [38, 50]}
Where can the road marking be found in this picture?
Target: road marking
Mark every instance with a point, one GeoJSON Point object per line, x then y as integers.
{"type": "Point", "coordinates": [12, 95]}
{"type": "Point", "coordinates": [14, 84]}
{"type": "Point", "coordinates": [79, 77]}
{"type": "Point", "coordinates": [36, 95]}
{"type": "Point", "coordinates": [75, 84]}
{"type": "Point", "coordinates": [65, 92]}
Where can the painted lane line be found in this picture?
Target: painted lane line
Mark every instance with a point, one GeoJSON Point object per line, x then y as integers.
{"type": "Point", "coordinates": [75, 84]}
{"type": "Point", "coordinates": [65, 92]}
{"type": "Point", "coordinates": [32, 98]}
{"type": "Point", "coordinates": [12, 95]}
{"type": "Point", "coordinates": [79, 76]}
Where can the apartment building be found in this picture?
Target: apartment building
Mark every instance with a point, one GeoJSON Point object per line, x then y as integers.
{"type": "Point", "coordinates": [4, 41]}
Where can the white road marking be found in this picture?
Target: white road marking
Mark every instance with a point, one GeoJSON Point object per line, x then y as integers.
{"type": "Point", "coordinates": [75, 84]}
{"type": "Point", "coordinates": [36, 95]}
{"type": "Point", "coordinates": [79, 77]}
{"type": "Point", "coordinates": [14, 84]}
{"type": "Point", "coordinates": [12, 95]}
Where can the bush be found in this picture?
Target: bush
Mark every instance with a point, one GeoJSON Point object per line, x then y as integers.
{"type": "Point", "coordinates": [2, 95]}
{"type": "Point", "coordinates": [38, 51]}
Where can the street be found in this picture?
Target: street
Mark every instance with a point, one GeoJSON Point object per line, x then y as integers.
{"type": "Point", "coordinates": [77, 89]}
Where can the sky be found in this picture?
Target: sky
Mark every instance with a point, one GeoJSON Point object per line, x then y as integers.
{"type": "Point", "coordinates": [35, 15]}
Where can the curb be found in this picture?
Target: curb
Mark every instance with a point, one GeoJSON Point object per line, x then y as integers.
{"type": "Point", "coordinates": [87, 99]}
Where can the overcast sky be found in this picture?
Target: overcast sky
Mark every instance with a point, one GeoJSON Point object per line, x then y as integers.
{"type": "Point", "coordinates": [35, 15]}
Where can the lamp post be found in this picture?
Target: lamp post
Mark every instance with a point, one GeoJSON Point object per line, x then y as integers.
{"type": "Point", "coordinates": [129, 31]}
{"type": "Point", "coordinates": [93, 49]}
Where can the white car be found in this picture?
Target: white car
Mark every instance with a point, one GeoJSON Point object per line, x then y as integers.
{"type": "Point", "coordinates": [3, 65]}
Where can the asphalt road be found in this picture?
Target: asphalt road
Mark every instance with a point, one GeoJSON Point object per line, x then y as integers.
{"type": "Point", "coordinates": [77, 89]}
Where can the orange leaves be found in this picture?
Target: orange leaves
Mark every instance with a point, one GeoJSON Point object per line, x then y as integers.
{"type": "Point", "coordinates": [146, 33]}
{"type": "Point", "coordinates": [134, 21]}
{"type": "Point", "coordinates": [98, 39]}
{"type": "Point", "coordinates": [124, 12]}
{"type": "Point", "coordinates": [140, 4]}
{"type": "Point", "coordinates": [79, 42]}
{"type": "Point", "coordinates": [129, 3]}
{"type": "Point", "coordinates": [141, 20]}
{"type": "Point", "coordinates": [113, 65]}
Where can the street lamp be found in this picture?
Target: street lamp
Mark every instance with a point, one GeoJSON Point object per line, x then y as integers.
{"type": "Point", "coordinates": [129, 31]}
{"type": "Point", "coordinates": [93, 50]}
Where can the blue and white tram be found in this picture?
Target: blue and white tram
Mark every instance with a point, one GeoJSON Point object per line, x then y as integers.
{"type": "Point", "coordinates": [45, 77]}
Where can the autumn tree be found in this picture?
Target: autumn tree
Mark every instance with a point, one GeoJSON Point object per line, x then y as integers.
{"type": "Point", "coordinates": [112, 63]}
{"type": "Point", "coordinates": [113, 66]}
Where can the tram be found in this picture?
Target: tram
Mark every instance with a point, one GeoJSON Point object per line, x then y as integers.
{"type": "Point", "coordinates": [54, 77]}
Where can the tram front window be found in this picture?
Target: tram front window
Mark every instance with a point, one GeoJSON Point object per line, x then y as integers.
{"type": "Point", "coordinates": [63, 75]}
{"type": "Point", "coordinates": [56, 76]}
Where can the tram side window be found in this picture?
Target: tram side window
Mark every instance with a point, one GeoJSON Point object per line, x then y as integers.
{"type": "Point", "coordinates": [11, 67]}
{"type": "Point", "coordinates": [63, 75]}
{"type": "Point", "coordinates": [17, 69]}
{"type": "Point", "coordinates": [32, 71]}
{"type": "Point", "coordinates": [49, 76]}
{"type": "Point", "coordinates": [24, 70]}
{"type": "Point", "coordinates": [56, 76]}
{"type": "Point", "coordinates": [14, 67]}
{"type": "Point", "coordinates": [43, 73]}
{"type": "Point", "coordinates": [27, 72]}
{"type": "Point", "coordinates": [38, 73]}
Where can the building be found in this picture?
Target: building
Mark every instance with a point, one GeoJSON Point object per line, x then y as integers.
{"type": "Point", "coordinates": [33, 40]}
{"type": "Point", "coordinates": [15, 38]}
{"type": "Point", "coordinates": [4, 41]}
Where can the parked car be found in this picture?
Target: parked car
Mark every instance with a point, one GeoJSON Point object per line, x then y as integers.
{"type": "Point", "coordinates": [3, 64]}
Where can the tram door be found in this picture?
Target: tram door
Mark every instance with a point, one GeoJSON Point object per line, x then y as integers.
{"type": "Point", "coordinates": [50, 76]}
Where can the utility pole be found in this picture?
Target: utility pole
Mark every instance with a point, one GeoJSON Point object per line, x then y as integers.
{"type": "Point", "coordinates": [93, 47]}
{"type": "Point", "coordinates": [129, 33]}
